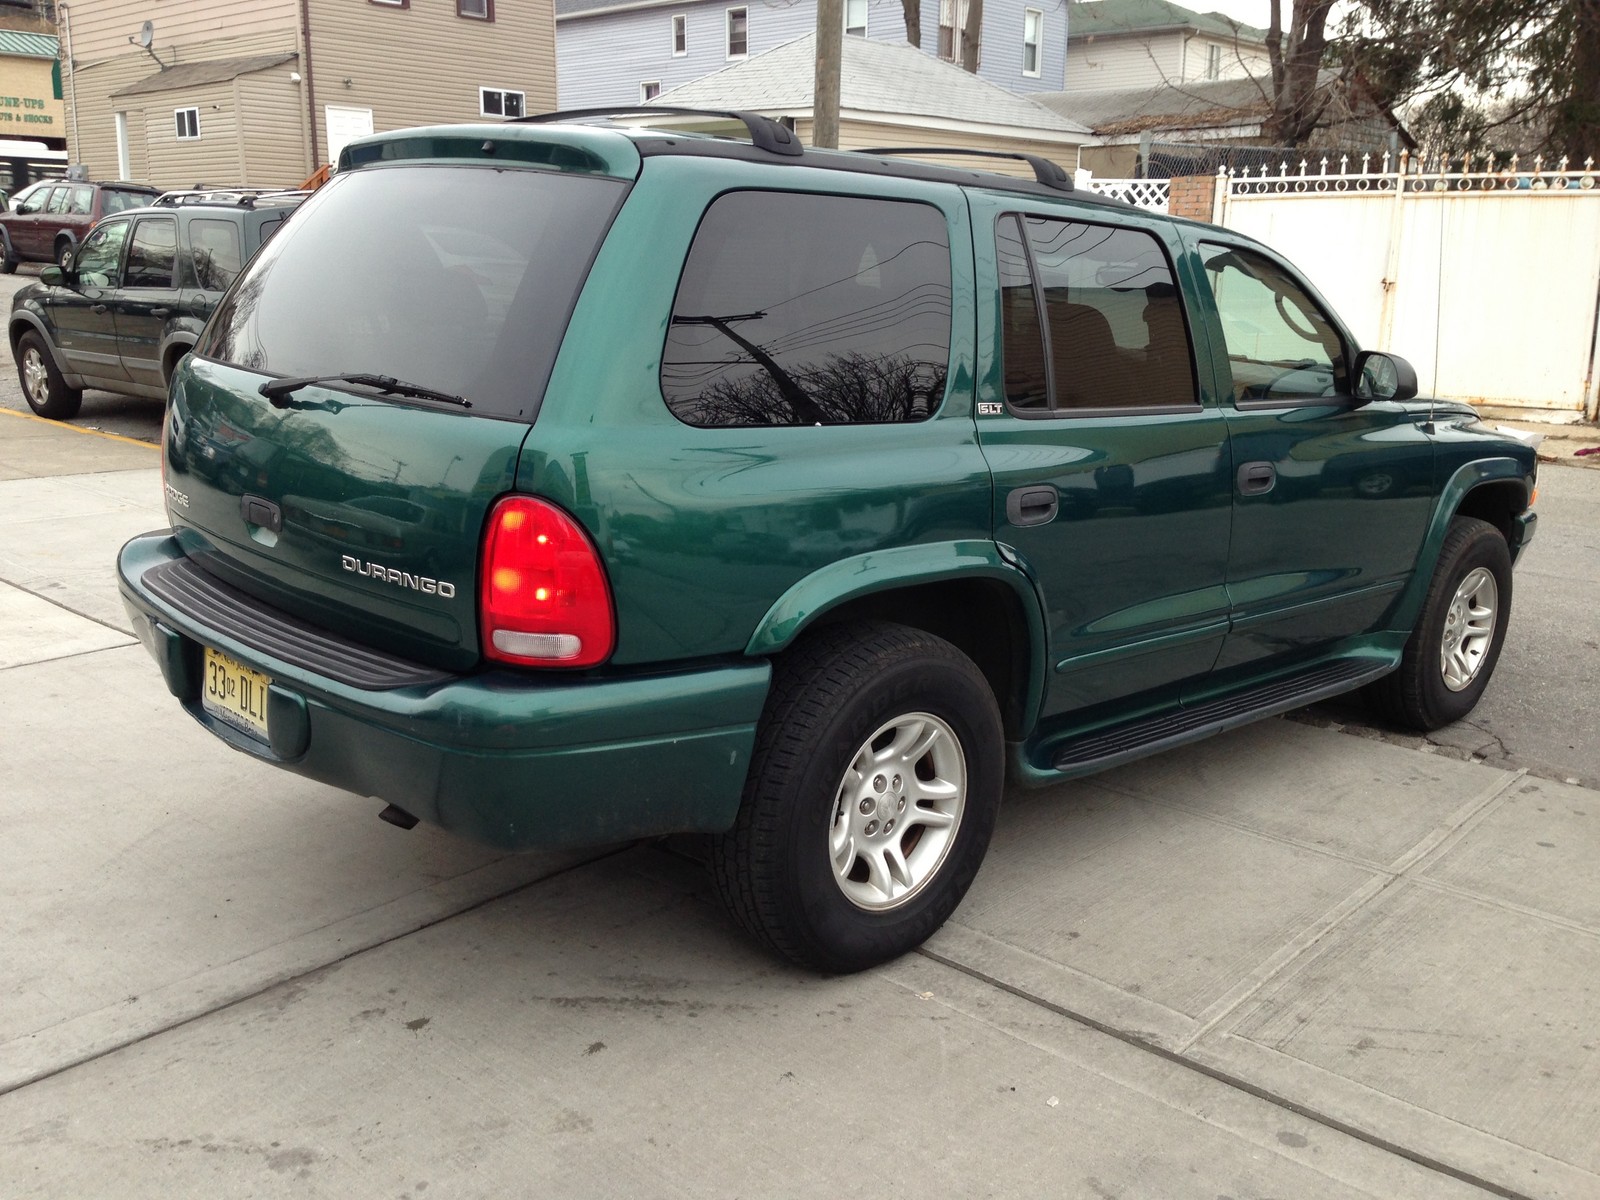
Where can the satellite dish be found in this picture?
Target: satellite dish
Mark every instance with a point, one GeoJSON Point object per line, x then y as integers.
{"type": "Point", "coordinates": [147, 34]}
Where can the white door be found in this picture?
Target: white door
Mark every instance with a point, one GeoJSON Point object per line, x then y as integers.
{"type": "Point", "coordinates": [345, 125]}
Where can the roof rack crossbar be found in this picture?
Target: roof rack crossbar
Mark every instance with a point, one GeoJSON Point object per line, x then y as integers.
{"type": "Point", "coordinates": [1046, 172]}
{"type": "Point", "coordinates": [765, 133]}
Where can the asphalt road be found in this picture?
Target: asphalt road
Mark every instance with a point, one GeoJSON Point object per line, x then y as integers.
{"type": "Point", "coordinates": [1539, 714]}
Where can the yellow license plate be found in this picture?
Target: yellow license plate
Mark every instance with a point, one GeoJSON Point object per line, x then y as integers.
{"type": "Point", "coordinates": [232, 692]}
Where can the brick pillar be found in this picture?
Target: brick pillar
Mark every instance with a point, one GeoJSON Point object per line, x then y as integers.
{"type": "Point", "coordinates": [1192, 197]}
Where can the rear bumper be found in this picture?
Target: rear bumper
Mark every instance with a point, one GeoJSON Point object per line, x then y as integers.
{"type": "Point", "coordinates": [504, 758]}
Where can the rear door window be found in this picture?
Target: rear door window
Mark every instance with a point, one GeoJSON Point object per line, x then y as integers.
{"type": "Point", "coordinates": [1091, 318]}
{"type": "Point", "coordinates": [152, 254]}
{"type": "Point", "coordinates": [214, 253]}
{"type": "Point", "coordinates": [804, 309]}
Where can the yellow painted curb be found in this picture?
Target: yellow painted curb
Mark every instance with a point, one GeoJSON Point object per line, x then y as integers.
{"type": "Point", "coordinates": [115, 437]}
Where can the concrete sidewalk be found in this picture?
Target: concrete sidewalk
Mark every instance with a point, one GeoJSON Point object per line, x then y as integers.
{"type": "Point", "coordinates": [1286, 962]}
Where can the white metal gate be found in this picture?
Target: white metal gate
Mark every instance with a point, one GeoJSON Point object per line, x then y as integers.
{"type": "Point", "coordinates": [1487, 281]}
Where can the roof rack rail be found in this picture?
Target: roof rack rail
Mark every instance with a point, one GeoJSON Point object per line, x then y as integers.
{"type": "Point", "coordinates": [765, 133]}
{"type": "Point", "coordinates": [242, 197]}
{"type": "Point", "coordinates": [1046, 172]}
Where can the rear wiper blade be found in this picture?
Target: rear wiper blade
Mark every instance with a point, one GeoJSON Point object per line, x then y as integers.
{"type": "Point", "coordinates": [278, 390]}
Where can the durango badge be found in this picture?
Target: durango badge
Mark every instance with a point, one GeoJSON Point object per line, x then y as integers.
{"type": "Point", "coordinates": [383, 574]}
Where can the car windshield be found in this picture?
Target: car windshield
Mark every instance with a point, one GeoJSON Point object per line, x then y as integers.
{"type": "Point", "coordinates": [454, 278]}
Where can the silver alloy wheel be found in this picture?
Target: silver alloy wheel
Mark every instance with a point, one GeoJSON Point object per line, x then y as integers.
{"type": "Point", "coordinates": [1469, 628]}
{"type": "Point", "coordinates": [35, 378]}
{"type": "Point", "coordinates": [897, 811]}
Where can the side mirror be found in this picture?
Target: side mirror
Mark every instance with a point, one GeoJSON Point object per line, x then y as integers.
{"type": "Point", "coordinates": [1381, 376]}
{"type": "Point", "coordinates": [52, 275]}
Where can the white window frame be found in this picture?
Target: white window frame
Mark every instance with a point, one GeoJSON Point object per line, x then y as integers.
{"type": "Point", "coordinates": [727, 34]}
{"type": "Point", "coordinates": [855, 30]}
{"type": "Point", "coordinates": [178, 123]}
{"type": "Point", "coordinates": [645, 95]}
{"type": "Point", "coordinates": [1213, 61]}
{"type": "Point", "coordinates": [483, 109]}
{"type": "Point", "coordinates": [1037, 44]}
{"type": "Point", "coordinates": [680, 33]}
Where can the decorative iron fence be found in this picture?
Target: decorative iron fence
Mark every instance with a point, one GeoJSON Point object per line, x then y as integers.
{"type": "Point", "coordinates": [1465, 173]}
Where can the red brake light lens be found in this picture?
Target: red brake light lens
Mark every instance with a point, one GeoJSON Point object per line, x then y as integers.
{"type": "Point", "coordinates": [543, 598]}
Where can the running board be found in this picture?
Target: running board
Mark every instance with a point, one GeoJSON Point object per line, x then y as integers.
{"type": "Point", "coordinates": [1122, 743]}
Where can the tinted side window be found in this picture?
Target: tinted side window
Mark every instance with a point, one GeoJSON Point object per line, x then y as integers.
{"type": "Point", "coordinates": [1113, 320]}
{"type": "Point", "coordinates": [214, 252]}
{"type": "Point", "coordinates": [82, 201]}
{"type": "Point", "coordinates": [1022, 343]}
{"type": "Point", "coordinates": [153, 253]}
{"type": "Point", "coordinates": [58, 200]}
{"type": "Point", "coordinates": [805, 309]}
{"type": "Point", "coordinates": [1280, 345]}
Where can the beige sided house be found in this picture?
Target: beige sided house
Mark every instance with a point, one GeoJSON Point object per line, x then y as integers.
{"type": "Point", "coordinates": [262, 92]}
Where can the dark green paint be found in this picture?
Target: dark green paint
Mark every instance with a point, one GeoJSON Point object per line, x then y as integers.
{"type": "Point", "coordinates": [1155, 584]}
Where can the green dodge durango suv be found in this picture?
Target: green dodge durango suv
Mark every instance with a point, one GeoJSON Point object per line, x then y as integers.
{"type": "Point", "coordinates": [562, 482]}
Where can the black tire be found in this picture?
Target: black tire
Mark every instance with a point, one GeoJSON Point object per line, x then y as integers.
{"type": "Point", "coordinates": [8, 259]}
{"type": "Point", "coordinates": [830, 695]}
{"type": "Point", "coordinates": [42, 386]}
{"type": "Point", "coordinates": [64, 249]}
{"type": "Point", "coordinates": [1419, 695]}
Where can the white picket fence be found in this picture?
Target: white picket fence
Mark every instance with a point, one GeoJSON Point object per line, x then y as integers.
{"type": "Point", "coordinates": [1486, 277]}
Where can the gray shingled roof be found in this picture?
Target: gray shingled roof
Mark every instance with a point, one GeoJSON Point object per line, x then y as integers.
{"type": "Point", "coordinates": [1184, 105]}
{"type": "Point", "coordinates": [1104, 18]}
{"type": "Point", "coordinates": [875, 77]}
{"type": "Point", "coordinates": [216, 70]}
{"type": "Point", "coordinates": [18, 44]}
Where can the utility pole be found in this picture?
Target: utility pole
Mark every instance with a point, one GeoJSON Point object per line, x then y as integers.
{"type": "Point", "coordinates": [825, 93]}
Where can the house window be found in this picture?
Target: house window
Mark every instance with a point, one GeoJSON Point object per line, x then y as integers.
{"type": "Point", "coordinates": [1213, 62]}
{"type": "Point", "coordinates": [680, 35]}
{"type": "Point", "coordinates": [649, 91]}
{"type": "Point", "coordinates": [478, 10]}
{"type": "Point", "coordinates": [952, 23]}
{"type": "Point", "coordinates": [738, 32]}
{"type": "Point", "coordinates": [187, 121]}
{"type": "Point", "coordinates": [855, 18]}
{"type": "Point", "coordinates": [493, 102]}
{"type": "Point", "coordinates": [1032, 33]}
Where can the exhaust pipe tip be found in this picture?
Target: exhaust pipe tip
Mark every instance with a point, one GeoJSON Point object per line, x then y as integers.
{"type": "Point", "coordinates": [398, 817]}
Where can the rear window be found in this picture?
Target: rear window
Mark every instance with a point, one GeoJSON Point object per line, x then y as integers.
{"type": "Point", "coordinates": [116, 200]}
{"type": "Point", "coordinates": [460, 279]}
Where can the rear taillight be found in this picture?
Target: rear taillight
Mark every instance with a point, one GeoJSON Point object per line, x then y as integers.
{"type": "Point", "coordinates": [543, 599]}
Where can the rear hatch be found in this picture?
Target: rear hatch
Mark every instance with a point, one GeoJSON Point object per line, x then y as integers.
{"type": "Point", "coordinates": [445, 264]}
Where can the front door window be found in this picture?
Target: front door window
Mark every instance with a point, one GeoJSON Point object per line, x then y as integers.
{"type": "Point", "coordinates": [101, 257]}
{"type": "Point", "coordinates": [1281, 348]}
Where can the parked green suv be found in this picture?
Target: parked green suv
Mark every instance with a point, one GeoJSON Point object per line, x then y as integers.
{"type": "Point", "coordinates": [131, 301]}
{"type": "Point", "coordinates": [563, 483]}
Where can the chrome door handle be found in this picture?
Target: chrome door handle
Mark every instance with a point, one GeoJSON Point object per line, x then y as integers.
{"type": "Point", "coordinates": [160, 312]}
{"type": "Point", "coordinates": [98, 308]}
